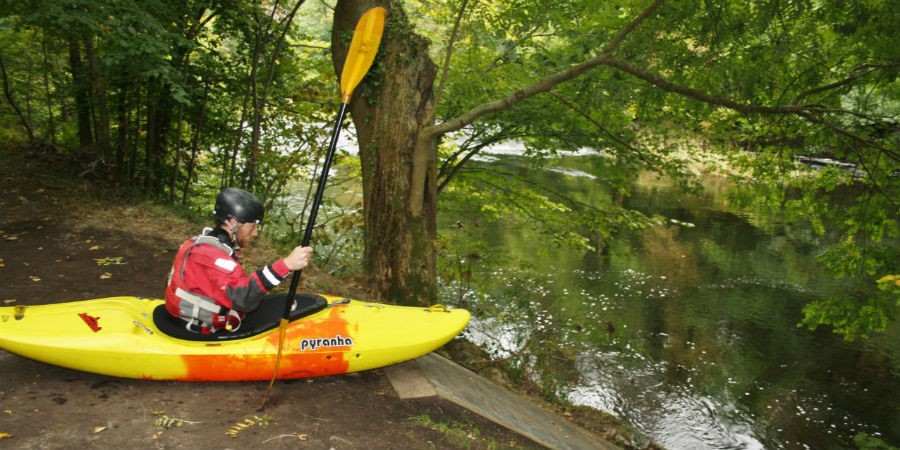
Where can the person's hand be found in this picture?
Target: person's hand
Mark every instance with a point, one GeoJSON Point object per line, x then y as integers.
{"type": "Point", "coordinates": [299, 258]}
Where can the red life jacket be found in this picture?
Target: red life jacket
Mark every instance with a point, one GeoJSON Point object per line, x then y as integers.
{"type": "Point", "coordinates": [186, 300]}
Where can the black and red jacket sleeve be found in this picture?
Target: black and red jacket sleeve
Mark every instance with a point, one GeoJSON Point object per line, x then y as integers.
{"type": "Point", "coordinates": [217, 275]}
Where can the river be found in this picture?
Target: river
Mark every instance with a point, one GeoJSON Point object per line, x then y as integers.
{"type": "Point", "coordinates": [688, 330]}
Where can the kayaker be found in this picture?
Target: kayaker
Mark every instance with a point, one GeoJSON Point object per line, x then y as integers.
{"type": "Point", "coordinates": [207, 286]}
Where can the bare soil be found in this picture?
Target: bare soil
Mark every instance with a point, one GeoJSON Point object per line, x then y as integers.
{"type": "Point", "coordinates": [62, 239]}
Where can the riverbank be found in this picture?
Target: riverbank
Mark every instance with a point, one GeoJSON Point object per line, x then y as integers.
{"type": "Point", "coordinates": [66, 239]}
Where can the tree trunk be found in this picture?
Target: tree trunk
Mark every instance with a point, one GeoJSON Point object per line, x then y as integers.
{"type": "Point", "coordinates": [100, 102]}
{"type": "Point", "coordinates": [82, 97]}
{"type": "Point", "coordinates": [159, 116]}
{"type": "Point", "coordinates": [256, 113]}
{"type": "Point", "coordinates": [266, 52]}
{"type": "Point", "coordinates": [7, 92]}
{"type": "Point", "coordinates": [399, 251]}
{"type": "Point", "coordinates": [196, 140]}
{"type": "Point", "coordinates": [178, 148]}
{"type": "Point", "coordinates": [46, 68]}
{"type": "Point", "coordinates": [122, 132]}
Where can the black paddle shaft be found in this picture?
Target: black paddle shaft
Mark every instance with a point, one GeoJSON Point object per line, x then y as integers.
{"type": "Point", "coordinates": [314, 211]}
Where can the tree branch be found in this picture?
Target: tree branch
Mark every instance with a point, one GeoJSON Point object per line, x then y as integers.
{"type": "Point", "coordinates": [448, 170]}
{"type": "Point", "coordinates": [605, 58]}
{"type": "Point", "coordinates": [541, 86]}
{"type": "Point", "coordinates": [446, 66]}
{"type": "Point", "coordinates": [840, 130]}
{"type": "Point", "coordinates": [621, 35]}
{"type": "Point", "coordinates": [544, 85]}
{"type": "Point", "coordinates": [855, 73]}
{"type": "Point", "coordinates": [9, 98]}
{"type": "Point", "coordinates": [550, 193]}
{"type": "Point", "coordinates": [695, 94]}
{"type": "Point", "coordinates": [613, 137]}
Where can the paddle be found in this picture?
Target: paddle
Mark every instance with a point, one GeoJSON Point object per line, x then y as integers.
{"type": "Point", "coordinates": [363, 48]}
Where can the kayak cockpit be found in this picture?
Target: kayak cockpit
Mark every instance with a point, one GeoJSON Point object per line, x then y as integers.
{"type": "Point", "coordinates": [264, 318]}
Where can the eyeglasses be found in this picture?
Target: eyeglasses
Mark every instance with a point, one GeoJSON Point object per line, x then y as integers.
{"type": "Point", "coordinates": [257, 225]}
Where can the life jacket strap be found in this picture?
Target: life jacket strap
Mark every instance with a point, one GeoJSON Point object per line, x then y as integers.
{"type": "Point", "coordinates": [201, 306]}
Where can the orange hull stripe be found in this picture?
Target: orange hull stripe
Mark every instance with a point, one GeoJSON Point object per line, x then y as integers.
{"type": "Point", "coordinates": [295, 362]}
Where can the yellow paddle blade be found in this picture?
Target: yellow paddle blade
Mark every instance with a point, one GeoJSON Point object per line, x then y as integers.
{"type": "Point", "coordinates": [363, 47]}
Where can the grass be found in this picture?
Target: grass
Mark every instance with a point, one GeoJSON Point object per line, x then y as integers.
{"type": "Point", "coordinates": [461, 435]}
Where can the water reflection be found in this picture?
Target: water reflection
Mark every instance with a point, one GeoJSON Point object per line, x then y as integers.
{"type": "Point", "coordinates": [672, 412]}
{"type": "Point", "coordinates": [689, 331]}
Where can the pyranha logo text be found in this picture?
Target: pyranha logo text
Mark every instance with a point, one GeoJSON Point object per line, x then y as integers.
{"type": "Point", "coordinates": [311, 344]}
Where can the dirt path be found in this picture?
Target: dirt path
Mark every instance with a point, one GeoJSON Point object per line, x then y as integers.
{"type": "Point", "coordinates": [58, 244]}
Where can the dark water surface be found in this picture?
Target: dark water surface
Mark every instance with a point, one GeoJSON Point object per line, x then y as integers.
{"type": "Point", "coordinates": [703, 312]}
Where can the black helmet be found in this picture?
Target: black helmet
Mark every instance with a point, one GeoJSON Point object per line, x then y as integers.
{"type": "Point", "coordinates": [240, 204]}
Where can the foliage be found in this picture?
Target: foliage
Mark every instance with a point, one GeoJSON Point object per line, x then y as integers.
{"type": "Point", "coordinates": [689, 80]}
{"type": "Point", "coordinates": [338, 239]}
{"type": "Point", "coordinates": [247, 423]}
{"type": "Point", "coordinates": [859, 237]}
{"type": "Point", "coordinates": [890, 284]}
{"type": "Point", "coordinates": [559, 212]}
{"type": "Point", "coordinates": [178, 104]}
{"type": "Point", "coordinates": [460, 434]}
{"type": "Point", "coordinates": [176, 101]}
{"type": "Point", "coordinates": [864, 441]}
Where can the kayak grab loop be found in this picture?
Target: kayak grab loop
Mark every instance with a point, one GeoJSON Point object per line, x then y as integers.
{"type": "Point", "coordinates": [437, 308]}
{"type": "Point", "coordinates": [145, 327]}
{"type": "Point", "coordinates": [343, 301]}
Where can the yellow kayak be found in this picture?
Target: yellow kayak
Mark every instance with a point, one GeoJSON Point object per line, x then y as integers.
{"type": "Point", "coordinates": [135, 338]}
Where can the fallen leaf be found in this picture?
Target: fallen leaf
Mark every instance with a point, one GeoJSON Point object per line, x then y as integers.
{"type": "Point", "coordinates": [111, 261]}
{"type": "Point", "coordinates": [11, 237]}
{"type": "Point", "coordinates": [9, 301]}
{"type": "Point", "coordinates": [165, 421]}
{"type": "Point", "coordinates": [99, 429]}
{"type": "Point", "coordinates": [106, 276]}
{"type": "Point", "coordinates": [7, 411]}
{"type": "Point", "coordinates": [96, 247]}
{"type": "Point", "coordinates": [35, 278]}
{"type": "Point", "coordinates": [5, 435]}
{"type": "Point", "coordinates": [300, 436]}
{"type": "Point", "coordinates": [247, 423]}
